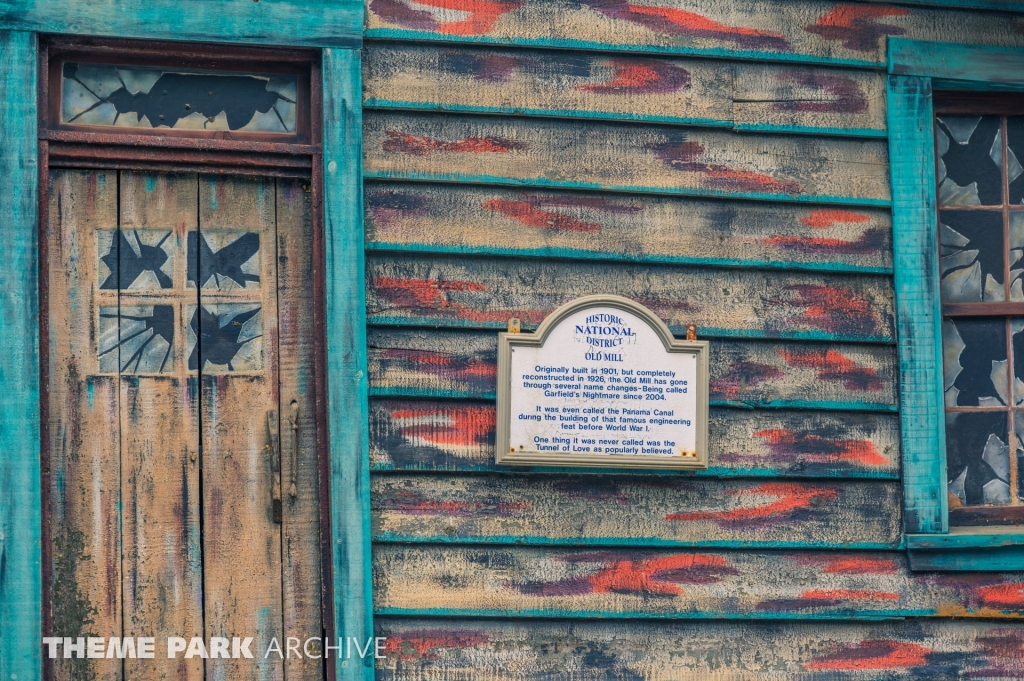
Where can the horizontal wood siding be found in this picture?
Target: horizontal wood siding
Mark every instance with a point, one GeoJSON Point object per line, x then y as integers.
{"type": "Point", "coordinates": [641, 158]}
{"type": "Point", "coordinates": [651, 511]}
{"type": "Point", "coordinates": [742, 373]}
{"type": "Point", "coordinates": [539, 650]}
{"type": "Point", "coordinates": [726, 164]}
{"type": "Point", "coordinates": [439, 436]}
{"type": "Point", "coordinates": [778, 30]}
{"type": "Point", "coordinates": [474, 581]}
{"type": "Point", "coordinates": [741, 95]}
{"type": "Point", "coordinates": [445, 218]}
{"type": "Point", "coordinates": [484, 293]}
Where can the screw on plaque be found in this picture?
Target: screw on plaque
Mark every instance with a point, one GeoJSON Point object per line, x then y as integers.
{"type": "Point", "coordinates": [691, 332]}
{"type": "Point", "coordinates": [514, 325]}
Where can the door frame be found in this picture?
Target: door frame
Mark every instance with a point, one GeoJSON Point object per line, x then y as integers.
{"type": "Point", "coordinates": [335, 29]}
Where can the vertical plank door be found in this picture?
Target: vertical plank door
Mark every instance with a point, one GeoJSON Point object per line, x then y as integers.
{"type": "Point", "coordinates": [301, 523]}
{"type": "Point", "coordinates": [161, 553]}
{"type": "Point", "coordinates": [232, 343]}
{"type": "Point", "coordinates": [83, 411]}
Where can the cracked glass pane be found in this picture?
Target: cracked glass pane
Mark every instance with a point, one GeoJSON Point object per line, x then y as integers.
{"type": "Point", "coordinates": [133, 97]}
{"type": "Point", "coordinates": [969, 151]}
{"type": "Point", "coordinates": [975, 369]}
{"type": "Point", "coordinates": [977, 457]}
{"type": "Point", "coordinates": [973, 256]}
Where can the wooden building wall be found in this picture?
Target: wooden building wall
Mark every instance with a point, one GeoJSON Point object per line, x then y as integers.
{"type": "Point", "coordinates": [725, 163]}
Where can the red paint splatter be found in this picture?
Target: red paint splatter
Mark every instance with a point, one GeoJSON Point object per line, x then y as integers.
{"type": "Point", "coordinates": [682, 155]}
{"type": "Point", "coordinates": [420, 295]}
{"type": "Point", "coordinates": [839, 595]}
{"type": "Point", "coordinates": [821, 219]}
{"type": "Point", "coordinates": [790, 445]}
{"type": "Point", "coordinates": [833, 365]}
{"type": "Point", "coordinates": [833, 309]}
{"type": "Point", "coordinates": [742, 377]}
{"type": "Point", "coordinates": [440, 364]}
{"type": "Point", "coordinates": [791, 498]}
{"type": "Point", "coordinates": [851, 566]}
{"type": "Point", "coordinates": [530, 215]}
{"type": "Point", "coordinates": [855, 26]}
{"type": "Point", "coordinates": [659, 576]}
{"type": "Point", "coordinates": [480, 15]}
{"type": "Point", "coordinates": [641, 76]}
{"type": "Point", "coordinates": [414, 503]}
{"type": "Point", "coordinates": [424, 644]}
{"type": "Point", "coordinates": [873, 655]}
{"type": "Point", "coordinates": [416, 145]}
{"type": "Point", "coordinates": [680, 22]}
{"type": "Point", "coordinates": [464, 427]}
{"type": "Point", "coordinates": [870, 241]}
{"type": "Point", "coordinates": [848, 96]}
{"type": "Point", "coordinates": [1005, 596]}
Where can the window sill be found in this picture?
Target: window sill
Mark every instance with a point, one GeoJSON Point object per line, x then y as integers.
{"type": "Point", "coordinates": [968, 548]}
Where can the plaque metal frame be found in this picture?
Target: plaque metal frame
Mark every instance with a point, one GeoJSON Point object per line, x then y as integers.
{"type": "Point", "coordinates": [507, 341]}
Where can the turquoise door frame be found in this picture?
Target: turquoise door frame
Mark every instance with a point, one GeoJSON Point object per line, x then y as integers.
{"type": "Point", "coordinates": [335, 26]}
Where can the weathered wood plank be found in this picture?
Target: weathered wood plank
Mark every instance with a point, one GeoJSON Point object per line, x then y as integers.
{"type": "Point", "coordinates": [467, 219]}
{"type": "Point", "coordinates": [832, 101]}
{"type": "Point", "coordinates": [742, 373]}
{"type": "Point", "coordinates": [587, 85]}
{"type": "Point", "coordinates": [241, 541]}
{"type": "Point", "coordinates": [417, 435]}
{"type": "Point", "coordinates": [285, 22]}
{"type": "Point", "coordinates": [21, 508]}
{"type": "Point", "coordinates": [461, 581]}
{"type": "Point", "coordinates": [85, 470]}
{"type": "Point", "coordinates": [300, 527]}
{"type": "Point", "coordinates": [795, 30]}
{"type": "Point", "coordinates": [485, 293]}
{"type": "Point", "coordinates": [440, 650]}
{"type": "Point", "coordinates": [952, 61]}
{"type": "Point", "coordinates": [658, 159]}
{"type": "Point", "coordinates": [657, 511]}
{"type": "Point", "coordinates": [159, 438]}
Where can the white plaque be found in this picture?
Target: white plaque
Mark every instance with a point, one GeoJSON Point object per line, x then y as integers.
{"type": "Point", "coordinates": [602, 382]}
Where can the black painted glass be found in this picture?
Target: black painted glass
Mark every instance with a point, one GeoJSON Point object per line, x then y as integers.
{"type": "Point", "coordinates": [968, 151]}
{"type": "Point", "coordinates": [133, 97]}
{"type": "Point", "coordinates": [980, 190]}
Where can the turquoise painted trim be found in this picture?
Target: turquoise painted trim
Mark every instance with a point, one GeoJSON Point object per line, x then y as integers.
{"type": "Point", "coordinates": [985, 66]}
{"type": "Point", "coordinates": [704, 331]}
{"type": "Point", "coordinates": [579, 254]}
{"type": "Point", "coordinates": [973, 538]}
{"type": "Point", "coordinates": [20, 576]}
{"type": "Point", "coordinates": [767, 404]}
{"type": "Point", "coordinates": [560, 184]}
{"type": "Point", "coordinates": [752, 55]}
{"type": "Point", "coordinates": [528, 540]}
{"type": "Point", "coordinates": [916, 67]}
{"type": "Point", "coordinates": [536, 613]}
{"type": "Point", "coordinates": [1007, 558]}
{"type": "Point", "coordinates": [918, 313]}
{"type": "Point", "coordinates": [348, 402]}
{"type": "Point", "coordinates": [579, 114]}
{"type": "Point", "coordinates": [309, 23]}
{"type": "Point", "coordinates": [710, 472]}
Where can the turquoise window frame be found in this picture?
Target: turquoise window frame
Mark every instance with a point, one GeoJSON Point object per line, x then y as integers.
{"type": "Point", "coordinates": [915, 69]}
{"type": "Point", "coordinates": [333, 26]}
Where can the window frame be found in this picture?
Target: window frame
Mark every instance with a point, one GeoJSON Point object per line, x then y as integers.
{"type": "Point", "coordinates": [915, 70]}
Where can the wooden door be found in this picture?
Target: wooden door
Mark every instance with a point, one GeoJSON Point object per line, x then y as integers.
{"type": "Point", "coordinates": [182, 456]}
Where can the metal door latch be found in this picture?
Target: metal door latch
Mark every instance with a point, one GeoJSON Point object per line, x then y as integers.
{"type": "Point", "coordinates": [293, 421]}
